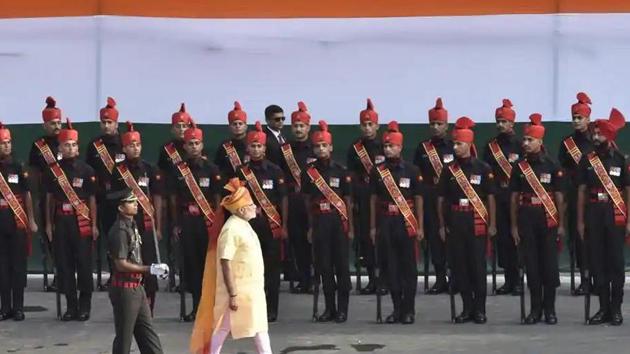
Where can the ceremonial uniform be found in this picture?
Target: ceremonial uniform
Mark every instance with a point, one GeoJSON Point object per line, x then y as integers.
{"type": "Point", "coordinates": [269, 180]}
{"type": "Point", "coordinates": [14, 242]}
{"type": "Point", "coordinates": [504, 148]}
{"type": "Point", "coordinates": [227, 160]}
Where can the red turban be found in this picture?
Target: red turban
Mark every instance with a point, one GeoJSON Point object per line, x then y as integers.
{"type": "Point", "coordinates": [257, 135]}
{"type": "Point", "coordinates": [581, 107]}
{"type": "Point", "coordinates": [609, 127]}
{"type": "Point", "coordinates": [323, 135]}
{"type": "Point", "coordinates": [51, 112]}
{"type": "Point", "coordinates": [5, 133]}
{"type": "Point", "coordinates": [535, 129]}
{"type": "Point", "coordinates": [193, 132]}
{"type": "Point", "coordinates": [109, 111]}
{"type": "Point", "coordinates": [463, 131]}
{"type": "Point", "coordinates": [505, 111]}
{"type": "Point", "coordinates": [393, 135]}
{"type": "Point", "coordinates": [301, 115]}
{"type": "Point", "coordinates": [130, 135]}
{"type": "Point", "coordinates": [68, 133]}
{"type": "Point", "coordinates": [368, 114]}
{"type": "Point", "coordinates": [181, 116]}
{"type": "Point", "coordinates": [237, 113]}
{"type": "Point", "coordinates": [438, 113]}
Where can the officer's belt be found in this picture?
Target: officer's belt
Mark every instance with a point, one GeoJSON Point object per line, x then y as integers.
{"type": "Point", "coordinates": [391, 209]}
{"type": "Point", "coordinates": [599, 195]}
{"type": "Point", "coordinates": [322, 206]}
{"type": "Point", "coordinates": [531, 199]}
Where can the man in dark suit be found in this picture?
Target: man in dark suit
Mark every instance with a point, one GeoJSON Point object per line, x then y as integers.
{"type": "Point", "coordinates": [274, 115]}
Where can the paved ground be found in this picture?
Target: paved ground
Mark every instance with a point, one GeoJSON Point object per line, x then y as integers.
{"type": "Point", "coordinates": [295, 333]}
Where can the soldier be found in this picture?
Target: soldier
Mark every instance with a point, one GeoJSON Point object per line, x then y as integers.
{"type": "Point", "coordinates": [500, 153]}
{"type": "Point", "coordinates": [16, 218]}
{"type": "Point", "coordinates": [364, 153]}
{"type": "Point", "coordinates": [326, 187]}
{"type": "Point", "coordinates": [44, 151]}
{"type": "Point", "coordinates": [396, 187]}
{"type": "Point", "coordinates": [131, 312]}
{"type": "Point", "coordinates": [71, 223]}
{"type": "Point", "coordinates": [231, 153]}
{"type": "Point", "coordinates": [572, 149]}
{"type": "Point", "coordinates": [466, 190]}
{"type": "Point", "coordinates": [197, 183]}
{"type": "Point", "coordinates": [274, 116]}
{"type": "Point", "coordinates": [103, 153]}
{"type": "Point", "coordinates": [296, 155]}
{"type": "Point", "coordinates": [603, 180]}
{"type": "Point", "coordinates": [536, 209]}
{"type": "Point", "coordinates": [430, 156]}
{"type": "Point", "coordinates": [146, 183]}
{"type": "Point", "coordinates": [265, 181]}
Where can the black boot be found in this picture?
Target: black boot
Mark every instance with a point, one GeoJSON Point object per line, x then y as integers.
{"type": "Point", "coordinates": [330, 311]}
{"type": "Point", "coordinates": [85, 306]}
{"type": "Point", "coordinates": [193, 314]}
{"type": "Point", "coordinates": [616, 318]}
{"type": "Point", "coordinates": [441, 285]}
{"type": "Point", "coordinates": [343, 298]}
{"type": "Point", "coordinates": [505, 289]}
{"type": "Point", "coordinates": [394, 317]}
{"type": "Point", "coordinates": [467, 313]}
{"type": "Point", "coordinates": [602, 316]}
{"type": "Point", "coordinates": [549, 304]}
{"type": "Point", "coordinates": [18, 304]}
{"type": "Point", "coordinates": [369, 289]}
{"type": "Point", "coordinates": [535, 314]}
{"type": "Point", "coordinates": [5, 312]}
{"type": "Point", "coordinates": [71, 313]}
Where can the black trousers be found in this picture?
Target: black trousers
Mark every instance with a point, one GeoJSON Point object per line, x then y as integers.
{"type": "Point", "coordinates": [437, 248]}
{"type": "Point", "coordinates": [396, 254]}
{"type": "Point", "coordinates": [331, 247]}
{"type": "Point", "coordinates": [605, 242]}
{"type": "Point", "coordinates": [468, 255]}
{"type": "Point", "coordinates": [194, 241]}
{"type": "Point", "coordinates": [12, 263]}
{"type": "Point", "coordinates": [506, 249]}
{"type": "Point", "coordinates": [272, 257]}
{"type": "Point", "coordinates": [573, 235]}
{"type": "Point", "coordinates": [132, 318]}
{"type": "Point", "coordinates": [541, 257]}
{"type": "Point", "coordinates": [362, 238]}
{"type": "Point", "coordinates": [298, 227]}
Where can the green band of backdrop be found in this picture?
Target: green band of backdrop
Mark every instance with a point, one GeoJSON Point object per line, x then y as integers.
{"type": "Point", "coordinates": [154, 135]}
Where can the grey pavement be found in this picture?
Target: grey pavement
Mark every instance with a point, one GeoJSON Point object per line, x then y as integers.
{"type": "Point", "coordinates": [295, 333]}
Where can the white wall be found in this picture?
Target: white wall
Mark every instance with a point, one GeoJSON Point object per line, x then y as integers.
{"type": "Point", "coordinates": [150, 65]}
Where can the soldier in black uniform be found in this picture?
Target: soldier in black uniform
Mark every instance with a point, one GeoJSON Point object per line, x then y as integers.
{"type": "Point", "coordinates": [190, 224]}
{"type": "Point", "coordinates": [71, 224]}
{"type": "Point", "coordinates": [274, 116]}
{"type": "Point", "coordinates": [368, 142]}
{"type": "Point", "coordinates": [443, 146]}
{"type": "Point", "coordinates": [13, 233]}
{"type": "Point", "coordinates": [302, 153]}
{"type": "Point", "coordinates": [132, 317]}
{"type": "Point", "coordinates": [110, 140]}
{"type": "Point", "coordinates": [267, 178]}
{"type": "Point", "coordinates": [397, 248]}
{"type": "Point", "coordinates": [465, 226]}
{"type": "Point", "coordinates": [572, 149]}
{"type": "Point", "coordinates": [237, 119]}
{"type": "Point", "coordinates": [150, 182]}
{"type": "Point", "coordinates": [330, 223]}
{"type": "Point", "coordinates": [37, 168]}
{"type": "Point", "coordinates": [509, 149]}
{"type": "Point", "coordinates": [603, 218]}
{"type": "Point", "coordinates": [538, 226]}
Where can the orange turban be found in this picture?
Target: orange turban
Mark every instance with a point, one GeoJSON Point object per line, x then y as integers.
{"type": "Point", "coordinates": [109, 111]}
{"type": "Point", "coordinates": [301, 115]}
{"type": "Point", "coordinates": [68, 133]}
{"type": "Point", "coordinates": [181, 116]}
{"type": "Point", "coordinates": [237, 114]}
{"type": "Point", "coordinates": [535, 129]}
{"type": "Point", "coordinates": [438, 113]}
{"type": "Point", "coordinates": [609, 127]}
{"type": "Point", "coordinates": [505, 111]}
{"type": "Point", "coordinates": [239, 196]}
{"type": "Point", "coordinates": [51, 112]}
{"type": "Point", "coordinates": [368, 114]}
{"type": "Point", "coordinates": [5, 133]}
{"type": "Point", "coordinates": [130, 135]}
{"type": "Point", "coordinates": [581, 107]}
{"type": "Point", "coordinates": [393, 135]}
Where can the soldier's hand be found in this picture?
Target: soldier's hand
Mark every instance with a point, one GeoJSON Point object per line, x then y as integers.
{"type": "Point", "coordinates": [373, 235]}
{"type": "Point", "coordinates": [95, 233]}
{"type": "Point", "coordinates": [233, 303]}
{"type": "Point", "coordinates": [515, 236]}
{"type": "Point", "coordinates": [442, 232]}
{"type": "Point", "coordinates": [309, 235]}
{"type": "Point", "coordinates": [561, 231]}
{"type": "Point", "coordinates": [492, 231]}
{"type": "Point", "coordinates": [419, 234]}
{"type": "Point", "coordinates": [580, 230]}
{"type": "Point", "coordinates": [49, 232]}
{"type": "Point", "coordinates": [33, 226]}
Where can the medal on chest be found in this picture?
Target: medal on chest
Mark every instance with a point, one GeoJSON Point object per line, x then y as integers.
{"type": "Point", "coordinates": [143, 181]}
{"type": "Point", "coordinates": [120, 158]}
{"type": "Point", "coordinates": [404, 182]}
{"type": "Point", "coordinates": [204, 182]}
{"type": "Point", "coordinates": [334, 182]}
{"type": "Point", "coordinates": [13, 178]}
{"type": "Point", "coordinates": [475, 179]}
{"type": "Point", "coordinates": [545, 178]}
{"type": "Point", "coordinates": [615, 171]}
{"type": "Point", "coordinates": [448, 158]}
{"type": "Point", "coordinates": [267, 184]}
{"type": "Point", "coordinates": [77, 182]}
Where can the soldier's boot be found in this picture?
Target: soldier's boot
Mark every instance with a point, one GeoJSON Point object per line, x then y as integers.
{"type": "Point", "coordinates": [479, 313]}
{"type": "Point", "coordinates": [549, 304]}
{"type": "Point", "coordinates": [343, 298]}
{"type": "Point", "coordinates": [616, 319]}
{"type": "Point", "coordinates": [72, 305]}
{"type": "Point", "coordinates": [193, 314]}
{"type": "Point", "coordinates": [441, 284]}
{"type": "Point", "coordinates": [5, 311]}
{"type": "Point", "coordinates": [467, 311]}
{"type": "Point", "coordinates": [85, 305]}
{"type": "Point", "coordinates": [331, 310]}
{"type": "Point", "coordinates": [535, 314]}
{"type": "Point", "coordinates": [370, 288]}
{"type": "Point", "coordinates": [394, 317]}
{"type": "Point", "coordinates": [18, 304]}
{"type": "Point", "coordinates": [603, 315]}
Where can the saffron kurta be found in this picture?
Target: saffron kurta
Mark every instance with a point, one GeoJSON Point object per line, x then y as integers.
{"type": "Point", "coordinates": [239, 243]}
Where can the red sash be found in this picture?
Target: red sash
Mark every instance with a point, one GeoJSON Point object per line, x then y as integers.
{"type": "Point", "coordinates": [294, 168]}
{"type": "Point", "coordinates": [273, 217]}
{"type": "Point", "coordinates": [481, 213]}
{"type": "Point", "coordinates": [434, 159]}
{"type": "Point", "coordinates": [364, 157]}
{"type": "Point", "coordinates": [81, 209]}
{"type": "Point", "coordinates": [173, 154]}
{"type": "Point", "coordinates": [143, 199]}
{"type": "Point", "coordinates": [394, 192]}
{"type": "Point", "coordinates": [611, 189]}
{"type": "Point", "coordinates": [232, 155]}
{"type": "Point", "coordinates": [541, 193]}
{"type": "Point", "coordinates": [500, 158]}
{"type": "Point", "coordinates": [573, 149]}
{"type": "Point", "coordinates": [104, 155]}
{"type": "Point", "coordinates": [197, 194]}
{"type": "Point", "coordinates": [44, 149]}
{"type": "Point", "coordinates": [16, 205]}
{"type": "Point", "coordinates": [330, 195]}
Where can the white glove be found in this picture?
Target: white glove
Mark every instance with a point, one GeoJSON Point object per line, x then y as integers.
{"type": "Point", "coordinates": [160, 269]}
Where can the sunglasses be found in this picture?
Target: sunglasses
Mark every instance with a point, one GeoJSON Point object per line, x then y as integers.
{"type": "Point", "coordinates": [277, 119]}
